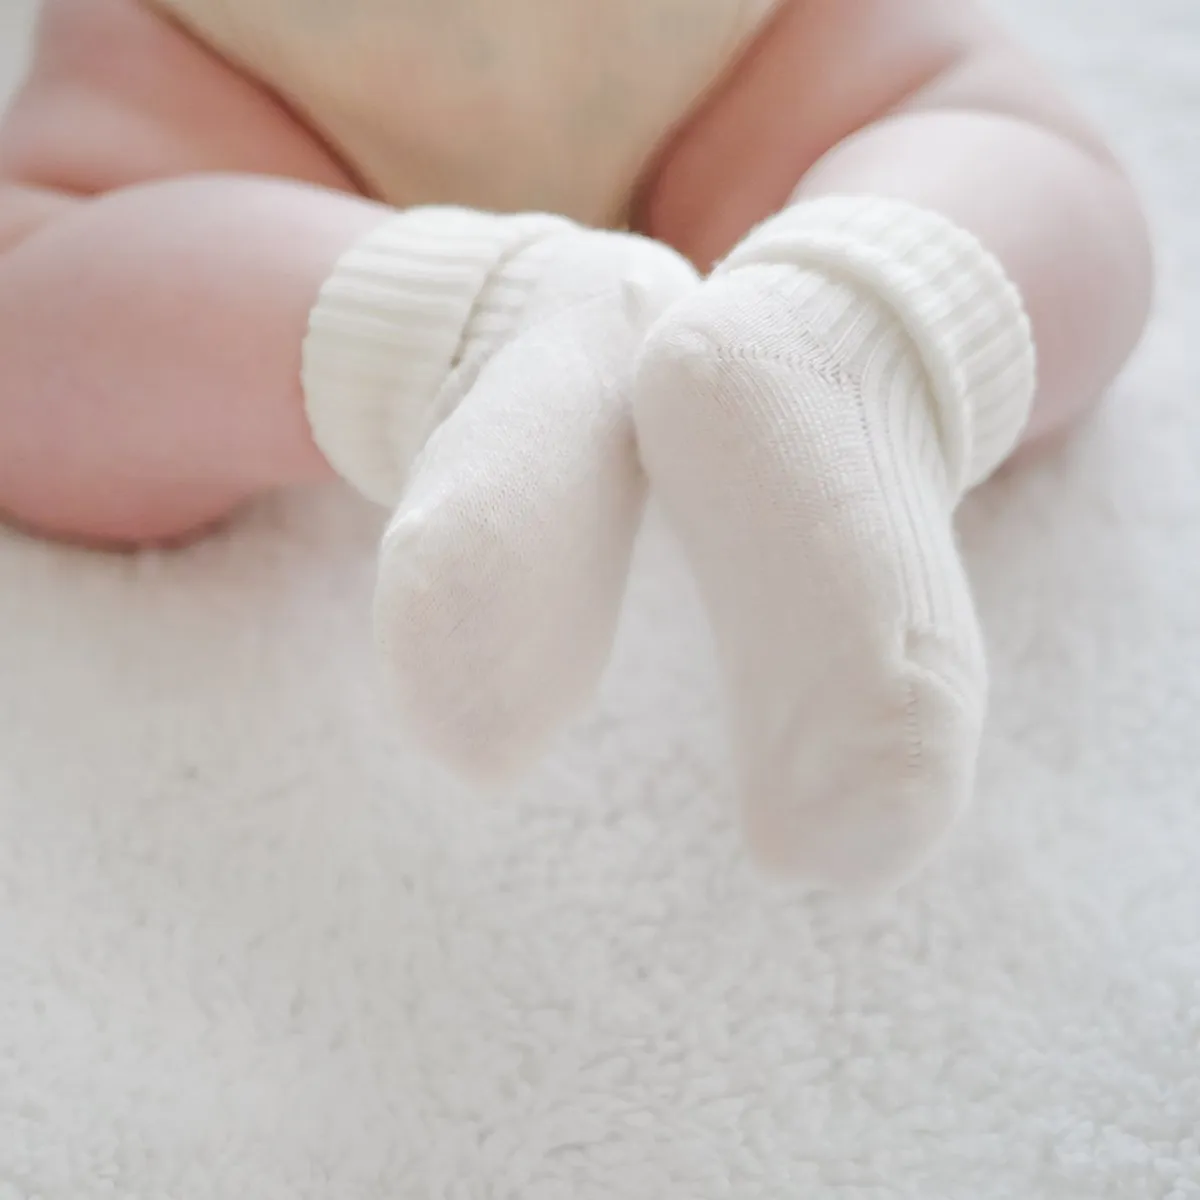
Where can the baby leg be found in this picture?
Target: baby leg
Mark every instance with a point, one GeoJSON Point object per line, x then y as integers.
{"type": "Point", "coordinates": [813, 416]}
{"type": "Point", "coordinates": [150, 328]}
{"type": "Point", "coordinates": [172, 346]}
{"type": "Point", "coordinates": [934, 105]}
{"type": "Point", "coordinates": [149, 343]}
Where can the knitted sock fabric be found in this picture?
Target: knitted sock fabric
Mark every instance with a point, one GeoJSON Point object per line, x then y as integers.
{"type": "Point", "coordinates": [473, 370]}
{"type": "Point", "coordinates": [811, 418]}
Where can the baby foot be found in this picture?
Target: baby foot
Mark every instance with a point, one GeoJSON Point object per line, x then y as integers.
{"type": "Point", "coordinates": [519, 491]}
{"type": "Point", "coordinates": [810, 419]}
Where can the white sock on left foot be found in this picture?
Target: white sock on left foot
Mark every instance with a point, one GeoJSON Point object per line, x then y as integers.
{"type": "Point", "coordinates": [810, 419]}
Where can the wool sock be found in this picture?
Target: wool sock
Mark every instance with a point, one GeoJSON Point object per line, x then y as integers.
{"type": "Point", "coordinates": [473, 371]}
{"type": "Point", "coordinates": [810, 419]}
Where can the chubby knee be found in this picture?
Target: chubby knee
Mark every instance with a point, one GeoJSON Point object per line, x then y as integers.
{"type": "Point", "coordinates": [60, 482]}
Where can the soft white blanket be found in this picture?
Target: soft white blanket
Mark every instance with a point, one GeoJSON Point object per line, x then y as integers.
{"type": "Point", "coordinates": [250, 947]}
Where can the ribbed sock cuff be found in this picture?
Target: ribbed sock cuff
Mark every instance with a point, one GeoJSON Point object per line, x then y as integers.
{"type": "Point", "coordinates": [388, 327]}
{"type": "Point", "coordinates": [953, 297]}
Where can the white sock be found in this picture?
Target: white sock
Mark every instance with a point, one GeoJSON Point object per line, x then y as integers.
{"type": "Point", "coordinates": [810, 419]}
{"type": "Point", "coordinates": [474, 369]}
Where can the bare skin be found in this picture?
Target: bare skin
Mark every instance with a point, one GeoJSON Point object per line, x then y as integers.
{"type": "Point", "coordinates": [166, 223]}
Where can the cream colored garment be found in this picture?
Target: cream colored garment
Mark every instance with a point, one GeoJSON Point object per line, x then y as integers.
{"type": "Point", "coordinates": [554, 105]}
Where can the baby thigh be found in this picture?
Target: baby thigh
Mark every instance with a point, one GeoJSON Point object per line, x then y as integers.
{"type": "Point", "coordinates": [931, 103]}
{"type": "Point", "coordinates": [165, 226]}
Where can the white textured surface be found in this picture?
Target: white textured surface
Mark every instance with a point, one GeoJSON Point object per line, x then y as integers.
{"type": "Point", "coordinates": [248, 948]}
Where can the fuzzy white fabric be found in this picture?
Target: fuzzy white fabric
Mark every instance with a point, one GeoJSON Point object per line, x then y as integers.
{"type": "Point", "coordinates": [250, 948]}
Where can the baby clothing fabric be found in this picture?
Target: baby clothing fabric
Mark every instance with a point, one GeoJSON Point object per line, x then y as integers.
{"type": "Point", "coordinates": [546, 105]}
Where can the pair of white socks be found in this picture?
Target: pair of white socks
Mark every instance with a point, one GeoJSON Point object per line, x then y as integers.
{"type": "Point", "coordinates": [809, 416]}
